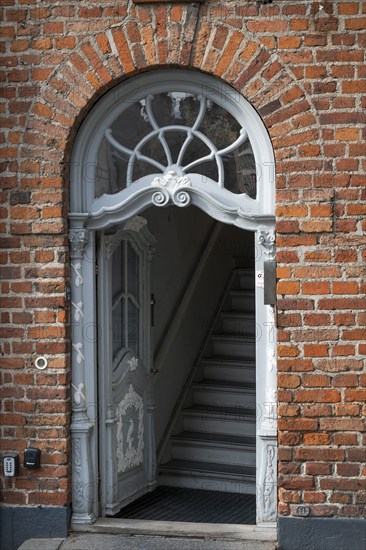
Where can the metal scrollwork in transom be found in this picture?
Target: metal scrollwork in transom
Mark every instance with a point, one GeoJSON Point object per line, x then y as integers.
{"type": "Point", "coordinates": [178, 166]}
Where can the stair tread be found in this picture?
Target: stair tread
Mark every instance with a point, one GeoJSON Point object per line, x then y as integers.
{"type": "Point", "coordinates": [222, 411]}
{"type": "Point", "coordinates": [209, 467]}
{"type": "Point", "coordinates": [215, 438]}
{"type": "Point", "coordinates": [227, 384]}
{"type": "Point", "coordinates": [230, 359]}
{"type": "Point", "coordinates": [235, 313]}
{"type": "Point", "coordinates": [233, 336]}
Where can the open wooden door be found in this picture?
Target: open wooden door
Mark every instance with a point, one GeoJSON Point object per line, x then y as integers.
{"type": "Point", "coordinates": [127, 446]}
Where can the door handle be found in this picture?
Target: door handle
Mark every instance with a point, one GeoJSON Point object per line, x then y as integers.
{"type": "Point", "coordinates": [155, 371]}
{"type": "Point", "coordinates": [152, 309]}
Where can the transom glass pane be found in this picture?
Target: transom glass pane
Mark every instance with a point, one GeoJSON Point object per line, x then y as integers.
{"type": "Point", "coordinates": [184, 132]}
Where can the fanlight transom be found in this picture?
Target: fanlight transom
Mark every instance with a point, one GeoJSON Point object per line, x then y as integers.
{"type": "Point", "coordinates": [172, 137]}
{"type": "Point", "coordinates": [176, 132]}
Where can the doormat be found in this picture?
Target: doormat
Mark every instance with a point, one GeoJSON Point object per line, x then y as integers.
{"type": "Point", "coordinates": [192, 505]}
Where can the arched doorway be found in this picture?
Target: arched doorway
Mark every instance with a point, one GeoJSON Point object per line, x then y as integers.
{"type": "Point", "coordinates": [165, 138]}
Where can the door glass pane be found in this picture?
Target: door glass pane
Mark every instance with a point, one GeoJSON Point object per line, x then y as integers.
{"type": "Point", "coordinates": [125, 298]}
{"type": "Point", "coordinates": [118, 339]}
{"type": "Point", "coordinates": [133, 327]}
{"type": "Point", "coordinates": [132, 272]}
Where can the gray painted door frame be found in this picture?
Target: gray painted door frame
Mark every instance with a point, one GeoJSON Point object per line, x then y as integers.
{"type": "Point", "coordinates": [89, 215]}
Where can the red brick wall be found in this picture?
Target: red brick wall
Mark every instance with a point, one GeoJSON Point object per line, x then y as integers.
{"type": "Point", "coordinates": [303, 68]}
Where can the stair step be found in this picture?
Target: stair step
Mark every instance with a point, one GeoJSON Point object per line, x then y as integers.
{"type": "Point", "coordinates": [232, 470]}
{"type": "Point", "coordinates": [235, 369]}
{"type": "Point", "coordinates": [188, 449]}
{"type": "Point", "coordinates": [216, 438]}
{"type": "Point", "coordinates": [236, 322]}
{"type": "Point", "coordinates": [245, 278]}
{"type": "Point", "coordinates": [238, 421]}
{"type": "Point", "coordinates": [225, 385]}
{"type": "Point", "coordinates": [224, 360]}
{"type": "Point", "coordinates": [223, 344]}
{"type": "Point", "coordinates": [218, 448]}
{"type": "Point", "coordinates": [242, 300]}
{"type": "Point", "coordinates": [208, 476]}
{"type": "Point", "coordinates": [226, 393]}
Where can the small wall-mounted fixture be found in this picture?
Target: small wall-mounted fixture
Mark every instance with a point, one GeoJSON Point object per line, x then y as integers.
{"type": "Point", "coordinates": [32, 458]}
{"type": "Point", "coordinates": [41, 363]}
{"type": "Point", "coordinates": [303, 511]}
{"type": "Point", "coordinates": [269, 283]}
{"type": "Point", "coordinates": [10, 464]}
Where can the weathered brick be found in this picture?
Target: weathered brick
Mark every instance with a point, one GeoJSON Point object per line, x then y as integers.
{"type": "Point", "coordinates": [303, 70]}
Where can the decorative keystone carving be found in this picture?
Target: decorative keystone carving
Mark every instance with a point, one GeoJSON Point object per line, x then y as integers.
{"type": "Point", "coordinates": [170, 189]}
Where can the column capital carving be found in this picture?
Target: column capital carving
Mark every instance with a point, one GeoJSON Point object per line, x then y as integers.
{"type": "Point", "coordinates": [78, 239]}
{"type": "Point", "coordinates": [267, 240]}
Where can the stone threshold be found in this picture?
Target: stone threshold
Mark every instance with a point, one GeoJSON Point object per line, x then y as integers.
{"type": "Point", "coordinates": [221, 531]}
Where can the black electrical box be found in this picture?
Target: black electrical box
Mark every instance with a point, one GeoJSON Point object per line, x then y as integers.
{"type": "Point", "coordinates": [32, 458]}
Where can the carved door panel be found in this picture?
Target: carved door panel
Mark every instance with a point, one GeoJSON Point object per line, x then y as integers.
{"type": "Point", "coordinates": [127, 448]}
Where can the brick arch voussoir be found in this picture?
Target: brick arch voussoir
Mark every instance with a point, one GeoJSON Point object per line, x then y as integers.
{"type": "Point", "coordinates": [256, 72]}
{"type": "Point", "coordinates": [242, 61]}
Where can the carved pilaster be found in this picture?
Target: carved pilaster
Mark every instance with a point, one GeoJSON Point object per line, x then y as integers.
{"type": "Point", "coordinates": [83, 489]}
{"type": "Point", "coordinates": [78, 239]}
{"type": "Point", "coordinates": [268, 424]}
{"type": "Point", "coordinates": [267, 505]}
{"type": "Point", "coordinates": [82, 485]}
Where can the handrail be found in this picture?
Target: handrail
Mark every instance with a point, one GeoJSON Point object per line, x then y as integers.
{"type": "Point", "coordinates": [186, 300]}
{"type": "Point", "coordinates": [183, 394]}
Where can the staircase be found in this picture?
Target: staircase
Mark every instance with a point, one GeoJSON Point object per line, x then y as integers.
{"type": "Point", "coordinates": [212, 444]}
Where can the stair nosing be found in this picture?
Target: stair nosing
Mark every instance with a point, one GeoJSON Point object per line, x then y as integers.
{"type": "Point", "coordinates": [237, 313]}
{"type": "Point", "coordinates": [230, 359]}
{"type": "Point", "coordinates": [213, 386]}
{"type": "Point", "coordinates": [227, 412]}
{"type": "Point", "coordinates": [233, 336]}
{"type": "Point", "coordinates": [198, 466]}
{"type": "Point", "coordinates": [178, 438]}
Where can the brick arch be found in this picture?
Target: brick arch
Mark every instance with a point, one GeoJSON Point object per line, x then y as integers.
{"type": "Point", "coordinates": [197, 42]}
